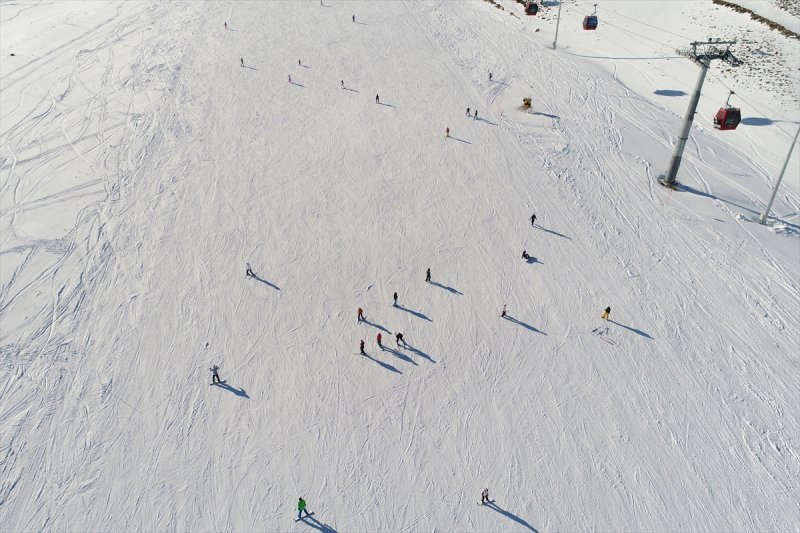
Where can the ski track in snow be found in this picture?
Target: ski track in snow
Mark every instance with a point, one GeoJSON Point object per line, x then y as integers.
{"type": "Point", "coordinates": [143, 167]}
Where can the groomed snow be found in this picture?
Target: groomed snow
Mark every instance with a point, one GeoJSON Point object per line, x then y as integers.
{"type": "Point", "coordinates": [143, 167]}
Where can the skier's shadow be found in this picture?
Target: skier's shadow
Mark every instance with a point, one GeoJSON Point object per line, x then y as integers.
{"type": "Point", "coordinates": [420, 353]}
{"type": "Point", "coordinates": [486, 121]}
{"type": "Point", "coordinates": [387, 366]}
{"type": "Point", "coordinates": [400, 355]}
{"type": "Point", "coordinates": [634, 330]}
{"type": "Point", "coordinates": [445, 287]}
{"type": "Point", "coordinates": [297, 84]}
{"type": "Point", "coordinates": [251, 68]}
{"type": "Point", "coordinates": [459, 140]}
{"type": "Point", "coordinates": [512, 516]}
{"type": "Point", "coordinates": [523, 324]}
{"type": "Point", "coordinates": [316, 524]}
{"type": "Point", "coordinates": [532, 260]}
{"type": "Point", "coordinates": [415, 313]}
{"type": "Point", "coordinates": [553, 232]}
{"type": "Point", "coordinates": [387, 105]}
{"type": "Point", "coordinates": [238, 392]}
{"type": "Point", "coordinates": [349, 89]}
{"type": "Point", "coordinates": [374, 325]}
{"type": "Point", "coordinates": [265, 282]}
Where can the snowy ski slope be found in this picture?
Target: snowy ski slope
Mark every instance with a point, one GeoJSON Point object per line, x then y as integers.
{"type": "Point", "coordinates": [143, 167]}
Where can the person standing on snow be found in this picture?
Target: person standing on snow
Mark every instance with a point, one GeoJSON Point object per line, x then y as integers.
{"type": "Point", "coordinates": [290, 78]}
{"type": "Point", "coordinates": [428, 275]}
{"type": "Point", "coordinates": [606, 313]}
{"type": "Point", "coordinates": [379, 337]}
{"type": "Point", "coordinates": [215, 374]}
{"type": "Point", "coordinates": [342, 82]}
{"type": "Point", "coordinates": [361, 347]}
{"type": "Point", "coordinates": [399, 338]}
{"type": "Point", "coordinates": [485, 496]}
{"type": "Point", "coordinates": [377, 99]}
{"type": "Point", "coordinates": [503, 314]}
{"type": "Point", "coordinates": [360, 315]}
{"type": "Point", "coordinates": [447, 132]}
{"type": "Point", "coordinates": [476, 114]}
{"type": "Point", "coordinates": [395, 299]}
{"type": "Point", "coordinates": [242, 60]}
{"type": "Point", "coordinates": [468, 113]}
{"type": "Point", "coordinates": [226, 25]}
{"type": "Point", "coordinates": [533, 219]}
{"type": "Point", "coordinates": [249, 271]}
{"type": "Point", "coordinates": [525, 255]}
{"type": "Point", "coordinates": [490, 76]}
{"type": "Point", "coordinates": [301, 506]}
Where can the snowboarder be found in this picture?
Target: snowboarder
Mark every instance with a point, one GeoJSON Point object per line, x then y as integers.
{"type": "Point", "coordinates": [379, 338]}
{"type": "Point", "coordinates": [533, 219]}
{"type": "Point", "coordinates": [226, 25]}
{"type": "Point", "coordinates": [503, 314]}
{"type": "Point", "coordinates": [468, 113]}
{"type": "Point", "coordinates": [361, 347]}
{"type": "Point", "coordinates": [342, 83]}
{"type": "Point", "coordinates": [395, 299]}
{"type": "Point", "coordinates": [249, 271]}
{"type": "Point", "coordinates": [377, 100]}
{"type": "Point", "coordinates": [301, 506]}
{"type": "Point", "coordinates": [428, 275]}
{"type": "Point", "coordinates": [606, 313]}
{"type": "Point", "coordinates": [399, 338]}
{"type": "Point", "coordinates": [485, 496]}
{"type": "Point", "coordinates": [290, 78]}
{"type": "Point", "coordinates": [447, 132]}
{"type": "Point", "coordinates": [242, 60]}
{"type": "Point", "coordinates": [215, 374]}
{"type": "Point", "coordinates": [360, 315]}
{"type": "Point", "coordinates": [525, 255]}
{"type": "Point", "coordinates": [490, 76]}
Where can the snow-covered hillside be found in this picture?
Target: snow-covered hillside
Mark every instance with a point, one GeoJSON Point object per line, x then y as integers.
{"type": "Point", "coordinates": [143, 167]}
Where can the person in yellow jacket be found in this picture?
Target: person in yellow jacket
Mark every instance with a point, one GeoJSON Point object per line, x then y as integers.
{"type": "Point", "coordinates": [606, 313]}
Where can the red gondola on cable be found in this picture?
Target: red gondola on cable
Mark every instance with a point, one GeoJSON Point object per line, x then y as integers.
{"type": "Point", "coordinates": [590, 21]}
{"type": "Point", "coordinates": [728, 117]}
{"type": "Point", "coordinates": [531, 8]}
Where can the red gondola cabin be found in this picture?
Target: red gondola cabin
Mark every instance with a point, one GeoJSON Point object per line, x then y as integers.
{"type": "Point", "coordinates": [531, 8]}
{"type": "Point", "coordinates": [727, 118]}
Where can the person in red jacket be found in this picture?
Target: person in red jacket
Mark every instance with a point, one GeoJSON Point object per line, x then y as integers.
{"type": "Point", "coordinates": [379, 341]}
{"type": "Point", "coordinates": [360, 314]}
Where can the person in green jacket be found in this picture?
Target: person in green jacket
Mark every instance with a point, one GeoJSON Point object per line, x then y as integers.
{"type": "Point", "coordinates": [301, 506]}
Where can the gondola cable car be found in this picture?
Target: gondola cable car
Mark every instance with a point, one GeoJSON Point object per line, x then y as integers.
{"type": "Point", "coordinates": [590, 21]}
{"type": "Point", "coordinates": [728, 117]}
{"type": "Point", "coordinates": [531, 8]}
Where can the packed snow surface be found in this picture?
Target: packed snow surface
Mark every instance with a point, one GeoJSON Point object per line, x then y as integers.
{"type": "Point", "coordinates": [148, 154]}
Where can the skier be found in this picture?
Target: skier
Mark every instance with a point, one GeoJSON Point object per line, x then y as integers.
{"type": "Point", "coordinates": [395, 299]}
{"type": "Point", "coordinates": [428, 275]}
{"type": "Point", "coordinates": [490, 76]}
{"type": "Point", "coordinates": [533, 219]}
{"type": "Point", "coordinates": [525, 255]}
{"type": "Point", "coordinates": [360, 315]}
{"type": "Point", "coordinates": [447, 132]}
{"type": "Point", "coordinates": [399, 338]}
{"type": "Point", "coordinates": [215, 374]}
{"type": "Point", "coordinates": [485, 496]}
{"type": "Point", "coordinates": [361, 347]}
{"type": "Point", "coordinates": [606, 313]}
{"type": "Point", "coordinates": [503, 314]}
{"type": "Point", "coordinates": [249, 271]}
{"type": "Point", "coordinates": [468, 113]}
{"type": "Point", "coordinates": [354, 18]}
{"type": "Point", "coordinates": [242, 60]}
{"type": "Point", "coordinates": [290, 78]}
{"type": "Point", "coordinates": [377, 100]}
{"type": "Point", "coordinates": [342, 82]}
{"type": "Point", "coordinates": [226, 25]}
{"type": "Point", "coordinates": [476, 114]}
{"type": "Point", "coordinates": [299, 64]}
{"type": "Point", "coordinates": [301, 506]}
{"type": "Point", "coordinates": [380, 337]}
